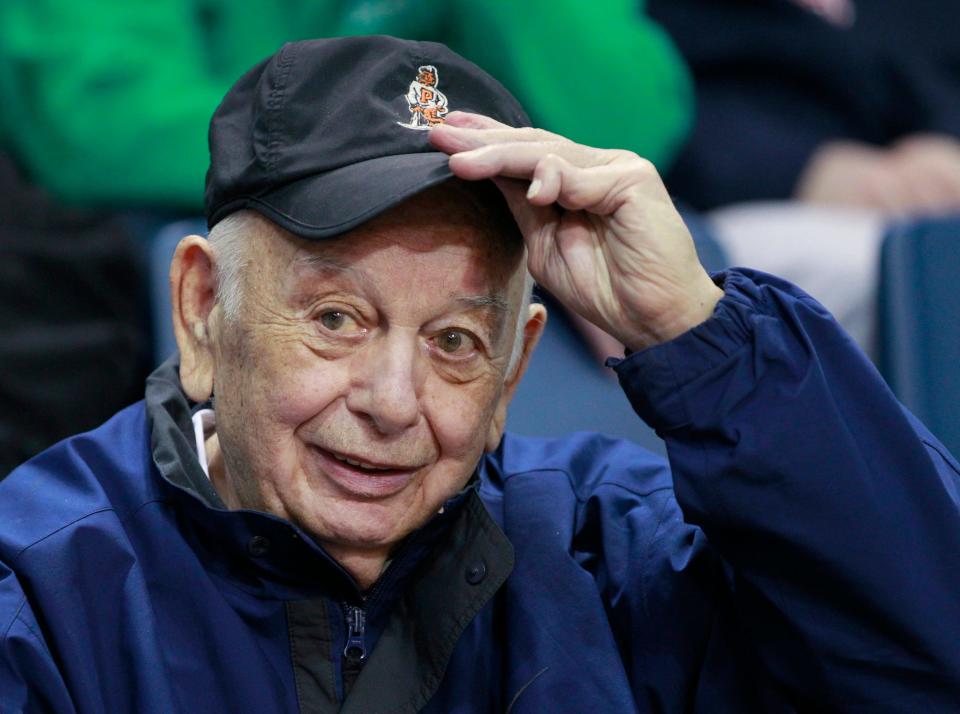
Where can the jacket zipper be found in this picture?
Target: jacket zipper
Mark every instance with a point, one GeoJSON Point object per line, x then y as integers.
{"type": "Point", "coordinates": [355, 649]}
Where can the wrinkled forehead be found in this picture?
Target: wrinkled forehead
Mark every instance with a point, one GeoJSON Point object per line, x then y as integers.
{"type": "Point", "coordinates": [457, 227]}
{"type": "Point", "coordinates": [455, 213]}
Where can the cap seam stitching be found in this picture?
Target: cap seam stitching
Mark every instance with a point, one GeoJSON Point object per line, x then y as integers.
{"type": "Point", "coordinates": [284, 63]}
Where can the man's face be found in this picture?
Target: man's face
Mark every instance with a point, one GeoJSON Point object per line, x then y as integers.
{"type": "Point", "coordinates": [427, 78]}
{"type": "Point", "coordinates": [364, 376]}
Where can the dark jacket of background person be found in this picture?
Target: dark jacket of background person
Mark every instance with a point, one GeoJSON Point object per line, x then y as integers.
{"type": "Point", "coordinates": [774, 81]}
{"type": "Point", "coordinates": [73, 338]}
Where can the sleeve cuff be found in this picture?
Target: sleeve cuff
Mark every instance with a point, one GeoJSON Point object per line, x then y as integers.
{"type": "Point", "coordinates": [654, 379]}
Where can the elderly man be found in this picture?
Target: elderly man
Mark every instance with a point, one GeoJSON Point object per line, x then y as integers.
{"type": "Point", "coordinates": [316, 508]}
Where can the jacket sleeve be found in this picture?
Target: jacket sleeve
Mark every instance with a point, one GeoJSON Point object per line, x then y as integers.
{"type": "Point", "coordinates": [835, 510]}
{"type": "Point", "coordinates": [29, 678]}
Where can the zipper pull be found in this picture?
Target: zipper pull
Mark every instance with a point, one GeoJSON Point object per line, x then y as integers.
{"type": "Point", "coordinates": [355, 649]}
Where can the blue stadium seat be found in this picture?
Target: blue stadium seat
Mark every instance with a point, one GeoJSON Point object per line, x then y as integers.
{"type": "Point", "coordinates": [919, 350]}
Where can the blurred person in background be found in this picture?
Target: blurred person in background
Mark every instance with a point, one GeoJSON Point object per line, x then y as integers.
{"type": "Point", "coordinates": [104, 107]}
{"type": "Point", "coordinates": [851, 102]}
{"type": "Point", "coordinates": [73, 334]}
{"type": "Point", "coordinates": [818, 121]}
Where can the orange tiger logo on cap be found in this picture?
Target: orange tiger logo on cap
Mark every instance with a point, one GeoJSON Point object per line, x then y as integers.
{"type": "Point", "coordinates": [428, 105]}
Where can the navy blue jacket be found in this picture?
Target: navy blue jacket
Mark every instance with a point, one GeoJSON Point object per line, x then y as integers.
{"type": "Point", "coordinates": [804, 555]}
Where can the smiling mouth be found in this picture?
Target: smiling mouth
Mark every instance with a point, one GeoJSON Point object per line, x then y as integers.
{"type": "Point", "coordinates": [362, 478]}
{"type": "Point", "coordinates": [372, 468]}
{"type": "Point", "coordinates": [365, 466]}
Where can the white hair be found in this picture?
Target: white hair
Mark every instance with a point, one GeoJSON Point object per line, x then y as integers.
{"type": "Point", "coordinates": [517, 350]}
{"type": "Point", "coordinates": [230, 237]}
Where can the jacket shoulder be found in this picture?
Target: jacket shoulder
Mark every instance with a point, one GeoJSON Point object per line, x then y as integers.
{"type": "Point", "coordinates": [29, 679]}
{"type": "Point", "coordinates": [591, 461]}
{"type": "Point", "coordinates": [106, 469]}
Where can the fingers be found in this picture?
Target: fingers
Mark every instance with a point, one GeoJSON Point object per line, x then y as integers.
{"type": "Point", "coordinates": [597, 189]}
{"type": "Point", "coordinates": [469, 120]}
{"type": "Point", "coordinates": [520, 159]}
{"type": "Point", "coordinates": [561, 172]}
{"type": "Point", "coordinates": [472, 131]}
{"type": "Point", "coordinates": [515, 160]}
{"type": "Point", "coordinates": [885, 187]}
{"type": "Point", "coordinates": [931, 164]}
{"type": "Point", "coordinates": [483, 148]}
{"type": "Point", "coordinates": [531, 219]}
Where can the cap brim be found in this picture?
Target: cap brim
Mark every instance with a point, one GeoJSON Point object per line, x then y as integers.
{"type": "Point", "coordinates": [337, 201]}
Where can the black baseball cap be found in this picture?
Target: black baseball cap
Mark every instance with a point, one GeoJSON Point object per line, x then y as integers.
{"type": "Point", "coordinates": [326, 134]}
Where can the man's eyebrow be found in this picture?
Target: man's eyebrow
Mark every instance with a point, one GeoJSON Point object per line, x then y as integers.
{"type": "Point", "coordinates": [325, 263]}
{"type": "Point", "coordinates": [495, 302]}
{"type": "Point", "coordinates": [330, 265]}
{"type": "Point", "coordinates": [494, 305]}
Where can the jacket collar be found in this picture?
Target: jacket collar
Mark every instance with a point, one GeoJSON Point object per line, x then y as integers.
{"type": "Point", "coordinates": [264, 553]}
{"type": "Point", "coordinates": [171, 434]}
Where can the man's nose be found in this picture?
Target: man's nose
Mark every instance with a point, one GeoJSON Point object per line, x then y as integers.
{"type": "Point", "coordinates": [386, 381]}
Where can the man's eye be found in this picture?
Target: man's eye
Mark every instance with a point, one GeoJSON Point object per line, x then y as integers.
{"type": "Point", "coordinates": [454, 342]}
{"type": "Point", "coordinates": [333, 320]}
{"type": "Point", "coordinates": [338, 324]}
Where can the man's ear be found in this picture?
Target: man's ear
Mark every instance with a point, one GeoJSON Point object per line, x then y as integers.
{"type": "Point", "coordinates": [193, 293]}
{"type": "Point", "coordinates": [532, 330]}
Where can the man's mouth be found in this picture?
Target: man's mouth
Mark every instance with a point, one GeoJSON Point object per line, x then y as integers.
{"type": "Point", "coordinates": [364, 465]}
{"type": "Point", "coordinates": [362, 477]}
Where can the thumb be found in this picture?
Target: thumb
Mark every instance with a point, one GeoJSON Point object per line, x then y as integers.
{"type": "Point", "coordinates": [530, 219]}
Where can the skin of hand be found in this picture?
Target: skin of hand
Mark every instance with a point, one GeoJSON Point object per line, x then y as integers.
{"type": "Point", "coordinates": [932, 162]}
{"type": "Point", "coordinates": [601, 231]}
{"type": "Point", "coordinates": [600, 343]}
{"type": "Point", "coordinates": [919, 175]}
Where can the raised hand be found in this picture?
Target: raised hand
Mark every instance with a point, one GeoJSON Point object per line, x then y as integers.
{"type": "Point", "coordinates": [601, 231]}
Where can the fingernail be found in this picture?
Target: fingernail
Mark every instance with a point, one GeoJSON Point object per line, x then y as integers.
{"type": "Point", "coordinates": [535, 187]}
